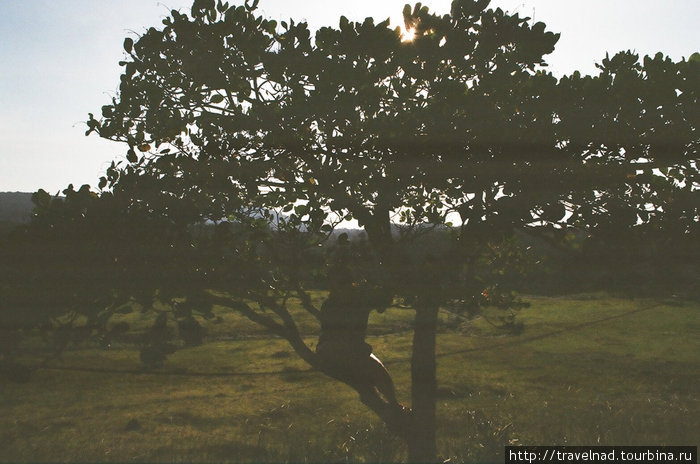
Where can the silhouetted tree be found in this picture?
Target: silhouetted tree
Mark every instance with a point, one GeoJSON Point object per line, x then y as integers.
{"type": "Point", "coordinates": [86, 257]}
{"type": "Point", "coordinates": [226, 113]}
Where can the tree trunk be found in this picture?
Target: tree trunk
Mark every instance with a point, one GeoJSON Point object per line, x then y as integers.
{"type": "Point", "coordinates": [421, 442]}
{"type": "Point", "coordinates": [421, 436]}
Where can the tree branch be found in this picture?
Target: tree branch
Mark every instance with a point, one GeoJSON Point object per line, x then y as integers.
{"type": "Point", "coordinates": [250, 313]}
{"type": "Point", "coordinates": [306, 302]}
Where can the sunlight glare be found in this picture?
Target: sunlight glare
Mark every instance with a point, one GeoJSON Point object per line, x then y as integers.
{"type": "Point", "coordinates": [408, 35]}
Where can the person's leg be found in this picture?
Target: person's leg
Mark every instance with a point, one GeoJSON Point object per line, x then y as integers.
{"type": "Point", "coordinates": [381, 379]}
{"type": "Point", "coordinates": [355, 369]}
{"type": "Point", "coordinates": [365, 373]}
{"type": "Point", "coordinates": [396, 416]}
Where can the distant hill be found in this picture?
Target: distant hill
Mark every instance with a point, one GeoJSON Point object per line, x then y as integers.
{"type": "Point", "coordinates": [15, 207]}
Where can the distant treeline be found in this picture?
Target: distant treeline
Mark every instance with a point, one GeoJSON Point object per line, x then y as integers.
{"type": "Point", "coordinates": [633, 260]}
{"type": "Point", "coordinates": [637, 261]}
{"type": "Point", "coordinates": [15, 207]}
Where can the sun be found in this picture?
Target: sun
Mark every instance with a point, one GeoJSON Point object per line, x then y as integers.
{"type": "Point", "coordinates": [408, 35]}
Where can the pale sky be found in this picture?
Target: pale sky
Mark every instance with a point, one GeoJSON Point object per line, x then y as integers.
{"type": "Point", "coordinates": [58, 62]}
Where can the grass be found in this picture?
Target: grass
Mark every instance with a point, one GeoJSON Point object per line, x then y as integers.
{"type": "Point", "coordinates": [588, 370]}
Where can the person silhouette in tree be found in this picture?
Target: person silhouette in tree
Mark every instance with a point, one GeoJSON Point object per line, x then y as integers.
{"type": "Point", "coordinates": [342, 350]}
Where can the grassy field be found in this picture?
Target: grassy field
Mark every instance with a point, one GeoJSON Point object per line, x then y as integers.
{"type": "Point", "coordinates": [587, 370]}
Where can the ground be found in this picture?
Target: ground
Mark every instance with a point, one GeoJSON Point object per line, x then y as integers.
{"type": "Point", "coordinates": [587, 370]}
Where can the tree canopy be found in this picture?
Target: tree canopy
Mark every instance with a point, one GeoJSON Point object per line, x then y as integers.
{"type": "Point", "coordinates": [359, 124]}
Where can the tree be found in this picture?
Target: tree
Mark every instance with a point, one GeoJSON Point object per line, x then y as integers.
{"type": "Point", "coordinates": [226, 113]}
